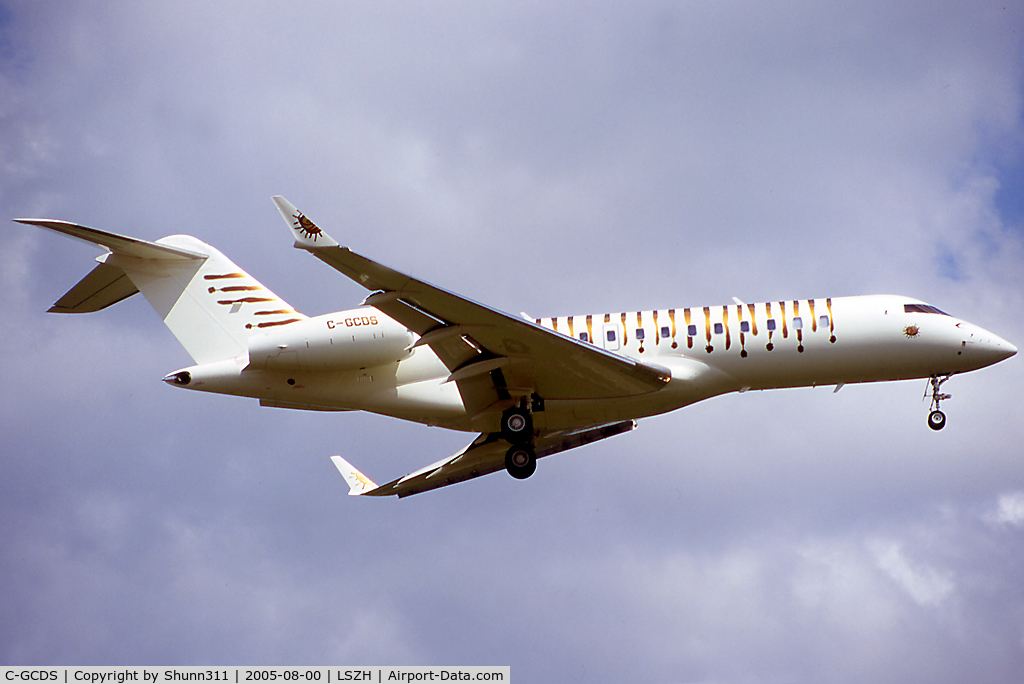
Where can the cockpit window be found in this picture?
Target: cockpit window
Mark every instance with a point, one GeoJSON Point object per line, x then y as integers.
{"type": "Point", "coordinates": [922, 308]}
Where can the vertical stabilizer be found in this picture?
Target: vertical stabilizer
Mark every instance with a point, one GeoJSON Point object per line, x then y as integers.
{"type": "Point", "coordinates": [211, 305]}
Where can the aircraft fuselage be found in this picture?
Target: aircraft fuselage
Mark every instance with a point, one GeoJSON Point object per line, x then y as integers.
{"type": "Point", "coordinates": [362, 359]}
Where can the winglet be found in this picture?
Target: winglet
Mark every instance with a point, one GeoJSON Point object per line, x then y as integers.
{"type": "Point", "coordinates": [307, 234]}
{"type": "Point", "coordinates": [357, 482]}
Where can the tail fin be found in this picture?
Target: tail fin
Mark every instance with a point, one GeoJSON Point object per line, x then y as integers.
{"type": "Point", "coordinates": [210, 304]}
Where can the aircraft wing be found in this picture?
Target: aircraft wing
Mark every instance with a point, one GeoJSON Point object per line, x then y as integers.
{"type": "Point", "coordinates": [485, 455]}
{"type": "Point", "coordinates": [491, 355]}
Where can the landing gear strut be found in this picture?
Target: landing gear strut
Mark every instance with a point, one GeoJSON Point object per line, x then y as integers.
{"type": "Point", "coordinates": [936, 418]}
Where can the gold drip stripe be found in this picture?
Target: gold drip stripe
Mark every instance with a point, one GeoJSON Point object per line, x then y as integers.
{"type": "Point", "coordinates": [234, 288]}
{"type": "Point", "coordinates": [707, 328]}
{"type": "Point", "coordinates": [725, 322]}
{"type": "Point", "coordinates": [270, 324]}
{"type": "Point", "coordinates": [245, 300]}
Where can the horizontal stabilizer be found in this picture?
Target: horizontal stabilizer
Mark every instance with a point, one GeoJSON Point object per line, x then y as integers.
{"type": "Point", "coordinates": [104, 286]}
{"type": "Point", "coordinates": [357, 482]}
{"type": "Point", "coordinates": [119, 244]}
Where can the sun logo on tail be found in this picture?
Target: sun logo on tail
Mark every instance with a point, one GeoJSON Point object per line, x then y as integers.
{"type": "Point", "coordinates": [306, 227]}
{"type": "Point", "coordinates": [364, 482]}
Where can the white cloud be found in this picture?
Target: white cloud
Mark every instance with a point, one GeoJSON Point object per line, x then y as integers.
{"type": "Point", "coordinates": [925, 585]}
{"type": "Point", "coordinates": [1009, 510]}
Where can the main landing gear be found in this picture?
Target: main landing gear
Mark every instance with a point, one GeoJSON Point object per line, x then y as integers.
{"type": "Point", "coordinates": [521, 461]}
{"type": "Point", "coordinates": [936, 418]}
{"type": "Point", "coordinates": [517, 430]}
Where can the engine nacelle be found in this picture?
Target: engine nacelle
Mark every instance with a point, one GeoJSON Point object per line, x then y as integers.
{"type": "Point", "coordinates": [347, 340]}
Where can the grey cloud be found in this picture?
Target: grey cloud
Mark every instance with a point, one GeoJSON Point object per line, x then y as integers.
{"type": "Point", "coordinates": [546, 158]}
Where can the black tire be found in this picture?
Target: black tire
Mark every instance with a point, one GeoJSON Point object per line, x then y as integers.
{"type": "Point", "coordinates": [517, 426]}
{"type": "Point", "coordinates": [520, 462]}
{"type": "Point", "coordinates": [936, 420]}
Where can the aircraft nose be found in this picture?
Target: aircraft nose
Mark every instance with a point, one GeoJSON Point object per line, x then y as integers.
{"type": "Point", "coordinates": [1008, 349]}
{"type": "Point", "coordinates": [992, 348]}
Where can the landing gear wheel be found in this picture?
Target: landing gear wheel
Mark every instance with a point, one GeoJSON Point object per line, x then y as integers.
{"type": "Point", "coordinates": [936, 420]}
{"type": "Point", "coordinates": [520, 462]}
{"type": "Point", "coordinates": [517, 426]}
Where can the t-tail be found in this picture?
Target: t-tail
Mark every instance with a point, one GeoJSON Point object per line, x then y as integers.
{"type": "Point", "coordinates": [211, 305]}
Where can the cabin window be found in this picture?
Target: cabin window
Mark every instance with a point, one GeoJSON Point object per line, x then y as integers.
{"type": "Point", "coordinates": [691, 330]}
{"type": "Point", "coordinates": [665, 332]}
{"type": "Point", "coordinates": [611, 336]}
{"type": "Point", "coordinates": [719, 329]}
{"type": "Point", "coordinates": [640, 334]}
{"type": "Point", "coordinates": [744, 326]}
{"type": "Point", "coordinates": [771, 324]}
{"type": "Point", "coordinates": [823, 321]}
{"type": "Point", "coordinates": [584, 337]}
{"type": "Point", "coordinates": [798, 323]}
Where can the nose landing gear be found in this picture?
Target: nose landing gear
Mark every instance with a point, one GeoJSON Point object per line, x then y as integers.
{"type": "Point", "coordinates": [936, 418]}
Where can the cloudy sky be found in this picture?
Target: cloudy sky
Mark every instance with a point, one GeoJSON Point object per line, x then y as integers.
{"type": "Point", "coordinates": [541, 157]}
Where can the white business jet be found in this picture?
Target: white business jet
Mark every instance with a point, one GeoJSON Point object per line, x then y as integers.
{"type": "Point", "coordinates": [529, 387]}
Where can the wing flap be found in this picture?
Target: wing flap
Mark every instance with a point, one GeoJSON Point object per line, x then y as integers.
{"type": "Point", "coordinates": [414, 318]}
